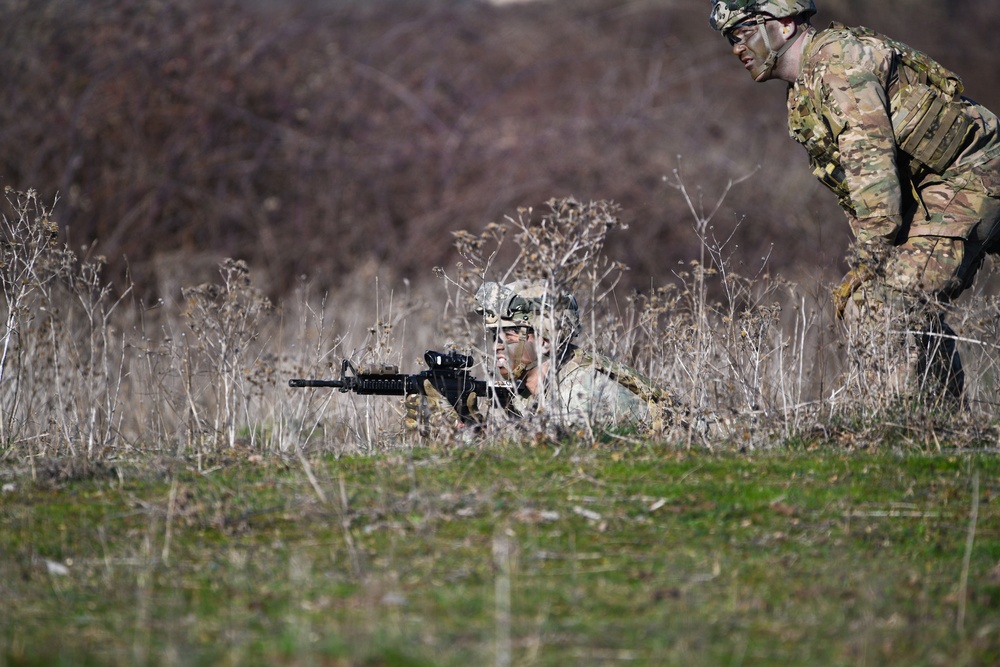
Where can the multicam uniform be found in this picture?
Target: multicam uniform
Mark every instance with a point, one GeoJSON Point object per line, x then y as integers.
{"type": "Point", "coordinates": [915, 166]}
{"type": "Point", "coordinates": [588, 391]}
{"type": "Point", "coordinates": [886, 129]}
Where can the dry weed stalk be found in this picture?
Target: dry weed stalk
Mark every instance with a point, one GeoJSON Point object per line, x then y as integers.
{"type": "Point", "coordinates": [62, 363]}
{"type": "Point", "coordinates": [28, 243]}
{"type": "Point", "coordinates": [300, 419]}
{"type": "Point", "coordinates": [226, 320]}
{"type": "Point", "coordinates": [330, 420]}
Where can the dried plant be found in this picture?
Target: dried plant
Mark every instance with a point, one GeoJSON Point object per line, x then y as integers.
{"type": "Point", "coordinates": [61, 359]}
{"type": "Point", "coordinates": [226, 322]}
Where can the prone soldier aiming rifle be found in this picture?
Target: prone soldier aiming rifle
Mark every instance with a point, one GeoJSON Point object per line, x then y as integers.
{"type": "Point", "coordinates": [447, 374]}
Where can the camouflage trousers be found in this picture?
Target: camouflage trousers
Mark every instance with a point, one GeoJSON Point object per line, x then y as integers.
{"type": "Point", "coordinates": [896, 326]}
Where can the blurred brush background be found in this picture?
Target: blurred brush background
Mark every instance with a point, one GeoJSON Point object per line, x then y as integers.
{"type": "Point", "coordinates": [338, 140]}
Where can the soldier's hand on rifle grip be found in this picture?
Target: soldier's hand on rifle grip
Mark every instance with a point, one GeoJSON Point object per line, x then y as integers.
{"type": "Point", "coordinates": [436, 409]}
{"type": "Point", "coordinates": [472, 404]}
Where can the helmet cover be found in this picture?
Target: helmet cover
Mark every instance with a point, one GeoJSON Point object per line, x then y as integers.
{"type": "Point", "coordinates": [535, 305]}
{"type": "Point", "coordinates": [727, 14]}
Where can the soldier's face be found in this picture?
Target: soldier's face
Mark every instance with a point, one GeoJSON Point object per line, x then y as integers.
{"type": "Point", "coordinates": [749, 46]}
{"type": "Point", "coordinates": [513, 348]}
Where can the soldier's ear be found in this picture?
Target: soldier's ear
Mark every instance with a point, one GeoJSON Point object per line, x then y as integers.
{"type": "Point", "coordinates": [788, 26]}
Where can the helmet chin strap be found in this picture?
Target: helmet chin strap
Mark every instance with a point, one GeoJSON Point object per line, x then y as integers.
{"type": "Point", "coordinates": [773, 56]}
{"type": "Point", "coordinates": [521, 368]}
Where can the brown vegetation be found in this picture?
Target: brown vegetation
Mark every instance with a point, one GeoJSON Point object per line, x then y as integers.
{"type": "Point", "coordinates": [338, 152]}
{"type": "Point", "coordinates": [320, 138]}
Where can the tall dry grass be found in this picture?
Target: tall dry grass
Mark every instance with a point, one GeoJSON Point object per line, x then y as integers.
{"type": "Point", "coordinates": [87, 374]}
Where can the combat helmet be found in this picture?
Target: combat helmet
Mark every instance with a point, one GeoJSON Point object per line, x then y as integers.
{"type": "Point", "coordinates": [535, 305]}
{"type": "Point", "coordinates": [727, 14]}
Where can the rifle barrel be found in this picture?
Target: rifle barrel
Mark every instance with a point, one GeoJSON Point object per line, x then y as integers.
{"type": "Point", "coordinates": [299, 382]}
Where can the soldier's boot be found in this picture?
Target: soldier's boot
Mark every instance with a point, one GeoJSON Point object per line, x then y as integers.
{"type": "Point", "coordinates": [940, 371]}
{"type": "Point", "coordinates": [903, 354]}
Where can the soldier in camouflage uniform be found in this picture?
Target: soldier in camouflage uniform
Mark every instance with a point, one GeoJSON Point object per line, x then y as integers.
{"type": "Point", "coordinates": [533, 328]}
{"type": "Point", "coordinates": [915, 165]}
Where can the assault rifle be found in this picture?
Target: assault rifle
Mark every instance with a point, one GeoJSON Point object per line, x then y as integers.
{"type": "Point", "coordinates": [448, 374]}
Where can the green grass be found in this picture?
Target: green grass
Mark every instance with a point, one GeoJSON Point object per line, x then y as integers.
{"type": "Point", "coordinates": [637, 555]}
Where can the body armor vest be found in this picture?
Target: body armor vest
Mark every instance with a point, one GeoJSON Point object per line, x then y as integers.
{"type": "Point", "coordinates": [660, 401]}
{"type": "Point", "coordinates": [929, 118]}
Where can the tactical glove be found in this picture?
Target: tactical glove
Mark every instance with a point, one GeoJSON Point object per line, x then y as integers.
{"type": "Point", "coordinates": [437, 405]}
{"type": "Point", "coordinates": [472, 404]}
{"type": "Point", "coordinates": [466, 408]}
{"type": "Point", "coordinates": [843, 292]}
{"type": "Point", "coordinates": [415, 415]}
{"type": "Point", "coordinates": [432, 408]}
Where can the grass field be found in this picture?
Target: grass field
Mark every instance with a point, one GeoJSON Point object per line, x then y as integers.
{"type": "Point", "coordinates": [609, 554]}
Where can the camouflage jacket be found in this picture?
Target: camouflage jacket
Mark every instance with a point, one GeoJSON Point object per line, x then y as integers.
{"type": "Point", "coordinates": [592, 389]}
{"type": "Point", "coordinates": [878, 119]}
